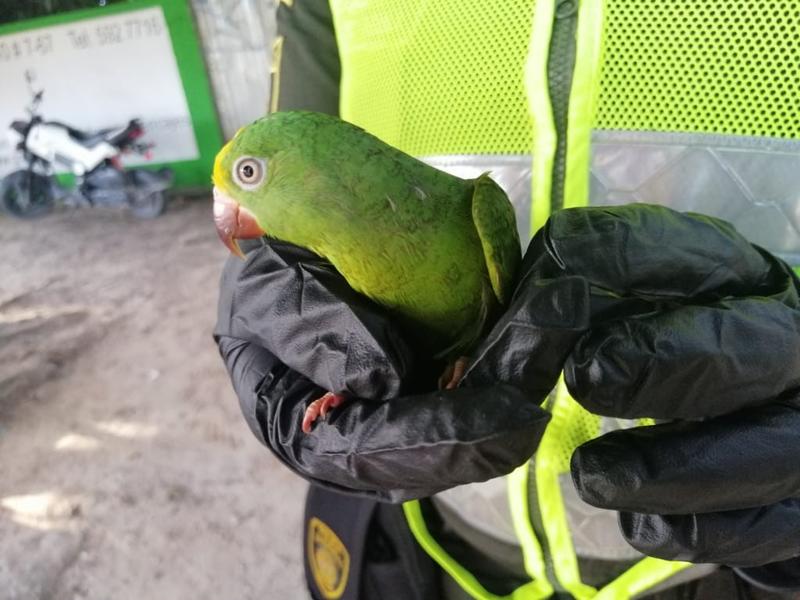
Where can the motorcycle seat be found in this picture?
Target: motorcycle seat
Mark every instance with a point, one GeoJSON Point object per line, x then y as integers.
{"type": "Point", "coordinates": [85, 138]}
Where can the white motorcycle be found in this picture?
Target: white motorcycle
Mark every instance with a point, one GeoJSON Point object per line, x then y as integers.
{"type": "Point", "coordinates": [94, 160]}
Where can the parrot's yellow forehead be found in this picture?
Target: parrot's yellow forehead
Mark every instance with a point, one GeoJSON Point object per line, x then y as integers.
{"type": "Point", "coordinates": [221, 166]}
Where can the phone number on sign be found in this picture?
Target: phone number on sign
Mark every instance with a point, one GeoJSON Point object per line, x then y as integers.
{"type": "Point", "coordinates": [115, 33]}
{"type": "Point", "coordinates": [26, 47]}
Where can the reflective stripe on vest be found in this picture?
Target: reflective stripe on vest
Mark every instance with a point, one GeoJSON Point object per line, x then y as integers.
{"type": "Point", "coordinates": [753, 183]}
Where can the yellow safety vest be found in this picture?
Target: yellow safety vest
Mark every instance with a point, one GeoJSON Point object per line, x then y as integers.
{"type": "Point", "coordinates": [692, 104]}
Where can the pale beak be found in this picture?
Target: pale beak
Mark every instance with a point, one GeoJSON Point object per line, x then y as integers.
{"type": "Point", "coordinates": [234, 222]}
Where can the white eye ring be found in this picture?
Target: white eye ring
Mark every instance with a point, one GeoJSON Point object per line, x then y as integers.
{"type": "Point", "coordinates": [249, 172]}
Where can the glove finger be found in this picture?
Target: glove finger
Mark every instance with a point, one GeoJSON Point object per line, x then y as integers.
{"type": "Point", "coordinates": [298, 307]}
{"type": "Point", "coordinates": [528, 345]}
{"type": "Point", "coordinates": [688, 363]}
{"type": "Point", "coordinates": [652, 251]}
{"type": "Point", "coordinates": [548, 313]}
{"type": "Point", "coordinates": [739, 538]}
{"type": "Point", "coordinates": [741, 460]}
{"type": "Point", "coordinates": [409, 447]}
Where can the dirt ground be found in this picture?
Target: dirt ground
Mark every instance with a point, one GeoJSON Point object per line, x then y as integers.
{"type": "Point", "coordinates": [126, 468]}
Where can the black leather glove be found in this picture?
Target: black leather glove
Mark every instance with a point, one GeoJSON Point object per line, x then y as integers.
{"type": "Point", "coordinates": [290, 329]}
{"type": "Point", "coordinates": [716, 354]}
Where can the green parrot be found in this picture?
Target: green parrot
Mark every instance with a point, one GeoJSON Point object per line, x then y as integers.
{"type": "Point", "coordinates": [440, 252]}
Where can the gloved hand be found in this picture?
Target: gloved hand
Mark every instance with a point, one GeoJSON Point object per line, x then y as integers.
{"type": "Point", "coordinates": [290, 328]}
{"type": "Point", "coordinates": [716, 355]}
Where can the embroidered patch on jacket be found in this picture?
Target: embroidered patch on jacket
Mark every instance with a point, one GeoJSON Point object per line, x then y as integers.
{"type": "Point", "coordinates": [328, 558]}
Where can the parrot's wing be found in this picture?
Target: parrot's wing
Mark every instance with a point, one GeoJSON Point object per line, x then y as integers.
{"type": "Point", "coordinates": [496, 224]}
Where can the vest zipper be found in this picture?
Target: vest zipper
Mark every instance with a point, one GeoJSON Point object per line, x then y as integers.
{"type": "Point", "coordinates": [560, 67]}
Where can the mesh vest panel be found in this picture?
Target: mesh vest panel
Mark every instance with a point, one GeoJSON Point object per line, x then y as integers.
{"type": "Point", "coordinates": [437, 77]}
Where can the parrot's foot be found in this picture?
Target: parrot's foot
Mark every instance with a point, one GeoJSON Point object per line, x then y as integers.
{"type": "Point", "coordinates": [453, 373]}
{"type": "Point", "coordinates": [320, 406]}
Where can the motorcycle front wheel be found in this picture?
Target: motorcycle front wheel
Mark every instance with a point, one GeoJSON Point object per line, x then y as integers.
{"type": "Point", "coordinates": [26, 195]}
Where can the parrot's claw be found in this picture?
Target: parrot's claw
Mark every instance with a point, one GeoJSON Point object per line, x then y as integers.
{"type": "Point", "coordinates": [453, 373]}
{"type": "Point", "coordinates": [320, 407]}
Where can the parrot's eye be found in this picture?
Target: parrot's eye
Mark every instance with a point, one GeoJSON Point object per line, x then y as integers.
{"type": "Point", "coordinates": [249, 172]}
